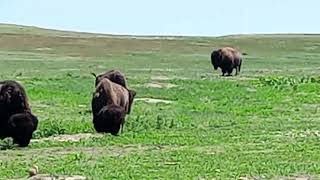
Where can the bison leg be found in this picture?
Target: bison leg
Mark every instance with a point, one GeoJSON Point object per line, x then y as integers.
{"type": "Point", "coordinates": [237, 70]}
{"type": "Point", "coordinates": [230, 71]}
{"type": "Point", "coordinates": [223, 72]}
{"type": "Point", "coordinates": [122, 128]}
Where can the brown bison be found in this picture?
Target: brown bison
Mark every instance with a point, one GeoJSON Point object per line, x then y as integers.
{"type": "Point", "coordinates": [110, 104]}
{"type": "Point", "coordinates": [117, 77]}
{"type": "Point", "coordinates": [16, 119]}
{"type": "Point", "coordinates": [113, 75]}
{"type": "Point", "coordinates": [227, 59]}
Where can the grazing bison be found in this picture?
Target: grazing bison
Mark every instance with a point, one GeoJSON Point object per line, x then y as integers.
{"type": "Point", "coordinates": [110, 104]}
{"type": "Point", "coordinates": [113, 75]}
{"type": "Point", "coordinates": [227, 59]}
{"type": "Point", "coordinates": [16, 119]}
{"type": "Point", "coordinates": [117, 77]}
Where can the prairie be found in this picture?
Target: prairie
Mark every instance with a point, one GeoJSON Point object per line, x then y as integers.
{"type": "Point", "coordinates": [187, 121]}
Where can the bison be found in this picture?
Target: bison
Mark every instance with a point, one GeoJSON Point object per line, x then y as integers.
{"type": "Point", "coordinates": [116, 77]}
{"type": "Point", "coordinates": [16, 118]}
{"type": "Point", "coordinates": [227, 59]}
{"type": "Point", "coordinates": [110, 104]}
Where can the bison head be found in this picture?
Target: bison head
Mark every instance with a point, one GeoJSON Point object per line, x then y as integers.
{"type": "Point", "coordinates": [215, 59]}
{"type": "Point", "coordinates": [22, 126]}
{"type": "Point", "coordinates": [109, 119]}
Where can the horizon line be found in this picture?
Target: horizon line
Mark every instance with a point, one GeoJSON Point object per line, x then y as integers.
{"type": "Point", "coordinates": [160, 35]}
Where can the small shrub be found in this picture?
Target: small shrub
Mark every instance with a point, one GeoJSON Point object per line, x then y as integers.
{"type": "Point", "coordinates": [54, 128]}
{"type": "Point", "coordinates": [283, 82]}
{"type": "Point", "coordinates": [6, 143]}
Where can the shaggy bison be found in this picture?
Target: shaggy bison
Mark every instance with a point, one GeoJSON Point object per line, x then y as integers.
{"type": "Point", "coordinates": [16, 119]}
{"type": "Point", "coordinates": [113, 75]}
{"type": "Point", "coordinates": [110, 104]}
{"type": "Point", "coordinates": [116, 77]}
{"type": "Point", "coordinates": [227, 59]}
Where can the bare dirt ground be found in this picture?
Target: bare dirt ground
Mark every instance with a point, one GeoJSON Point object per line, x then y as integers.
{"type": "Point", "coordinates": [53, 177]}
{"type": "Point", "coordinates": [154, 101]}
{"type": "Point", "coordinates": [69, 137]}
{"type": "Point", "coordinates": [166, 78]}
{"type": "Point", "coordinates": [160, 85]}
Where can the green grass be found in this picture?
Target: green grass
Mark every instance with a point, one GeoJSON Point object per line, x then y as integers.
{"type": "Point", "coordinates": [263, 123]}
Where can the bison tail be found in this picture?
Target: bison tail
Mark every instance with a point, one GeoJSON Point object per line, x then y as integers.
{"type": "Point", "coordinates": [94, 74]}
{"type": "Point", "coordinates": [240, 65]}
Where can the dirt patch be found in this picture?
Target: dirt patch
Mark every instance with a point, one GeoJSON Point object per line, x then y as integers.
{"type": "Point", "coordinates": [160, 78]}
{"type": "Point", "coordinates": [300, 177]}
{"type": "Point", "coordinates": [95, 152]}
{"type": "Point", "coordinates": [204, 44]}
{"type": "Point", "coordinates": [40, 105]}
{"type": "Point", "coordinates": [160, 85]}
{"type": "Point", "coordinates": [101, 67]}
{"type": "Point", "coordinates": [165, 78]}
{"type": "Point", "coordinates": [251, 89]}
{"type": "Point", "coordinates": [44, 49]}
{"type": "Point", "coordinates": [248, 178]}
{"type": "Point", "coordinates": [69, 137]}
{"type": "Point", "coordinates": [54, 177]}
{"type": "Point", "coordinates": [154, 101]}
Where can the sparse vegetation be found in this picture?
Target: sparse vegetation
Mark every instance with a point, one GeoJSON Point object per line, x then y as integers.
{"type": "Point", "coordinates": [263, 123]}
{"type": "Point", "coordinates": [6, 143]}
{"type": "Point", "coordinates": [281, 82]}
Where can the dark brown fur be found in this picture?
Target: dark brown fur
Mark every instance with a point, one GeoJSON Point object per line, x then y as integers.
{"type": "Point", "coordinates": [110, 103]}
{"type": "Point", "coordinates": [16, 119]}
{"type": "Point", "coordinates": [109, 119]}
{"type": "Point", "coordinates": [22, 126]}
{"type": "Point", "coordinates": [227, 59]}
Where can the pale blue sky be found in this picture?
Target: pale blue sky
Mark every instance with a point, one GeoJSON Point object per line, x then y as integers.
{"type": "Point", "coordinates": [167, 17]}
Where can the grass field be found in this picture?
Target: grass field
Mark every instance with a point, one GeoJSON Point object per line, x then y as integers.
{"type": "Point", "coordinates": [263, 123]}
